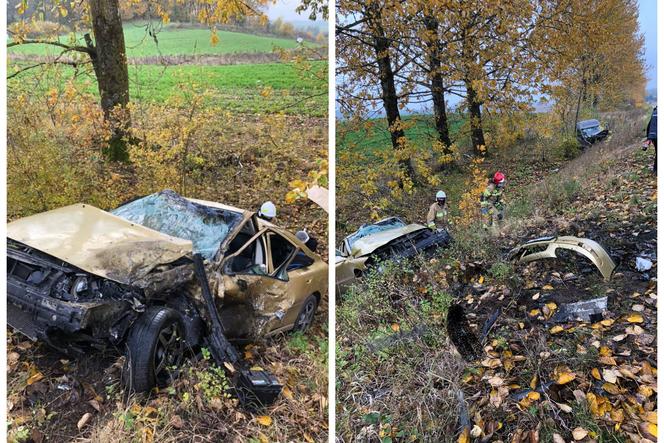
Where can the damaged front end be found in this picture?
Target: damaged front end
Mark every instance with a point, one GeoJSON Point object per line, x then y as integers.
{"type": "Point", "coordinates": [64, 305]}
{"type": "Point", "coordinates": [413, 243]}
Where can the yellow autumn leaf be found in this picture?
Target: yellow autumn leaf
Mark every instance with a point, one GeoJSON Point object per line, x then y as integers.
{"type": "Point", "coordinates": [34, 378]}
{"type": "Point", "coordinates": [465, 436]}
{"type": "Point", "coordinates": [395, 327]}
{"type": "Point", "coordinates": [635, 317]}
{"type": "Point", "coordinates": [650, 417]}
{"type": "Point", "coordinates": [264, 420]}
{"type": "Point", "coordinates": [565, 378]}
{"type": "Point", "coordinates": [556, 329]}
{"type": "Point", "coordinates": [547, 288]}
{"type": "Point", "coordinates": [287, 392]}
{"type": "Point", "coordinates": [652, 429]}
{"type": "Point", "coordinates": [611, 388]}
{"type": "Point", "coordinates": [595, 373]}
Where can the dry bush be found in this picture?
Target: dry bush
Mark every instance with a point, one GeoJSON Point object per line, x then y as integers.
{"type": "Point", "coordinates": [398, 375]}
{"type": "Point", "coordinates": [55, 156]}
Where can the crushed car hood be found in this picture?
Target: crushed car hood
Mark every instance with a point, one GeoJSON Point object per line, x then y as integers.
{"type": "Point", "coordinates": [98, 242]}
{"type": "Point", "coordinates": [370, 243]}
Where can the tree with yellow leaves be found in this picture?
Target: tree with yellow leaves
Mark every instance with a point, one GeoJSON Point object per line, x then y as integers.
{"type": "Point", "coordinates": [104, 45]}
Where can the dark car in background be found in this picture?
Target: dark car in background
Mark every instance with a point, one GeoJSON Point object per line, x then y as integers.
{"type": "Point", "coordinates": [589, 132]}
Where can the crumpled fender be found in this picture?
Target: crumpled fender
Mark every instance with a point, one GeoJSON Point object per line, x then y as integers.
{"type": "Point", "coordinates": [546, 248]}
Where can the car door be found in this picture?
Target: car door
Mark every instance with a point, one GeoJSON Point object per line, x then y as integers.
{"type": "Point", "coordinates": [347, 270]}
{"type": "Point", "coordinates": [292, 264]}
{"type": "Point", "coordinates": [258, 275]}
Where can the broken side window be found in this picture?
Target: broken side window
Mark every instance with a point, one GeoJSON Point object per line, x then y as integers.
{"type": "Point", "coordinates": [281, 250]}
{"type": "Point", "coordinates": [251, 260]}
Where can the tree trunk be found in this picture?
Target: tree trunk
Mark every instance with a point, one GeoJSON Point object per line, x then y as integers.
{"type": "Point", "coordinates": [475, 112]}
{"type": "Point", "coordinates": [109, 60]}
{"type": "Point", "coordinates": [389, 95]}
{"type": "Point", "coordinates": [437, 85]}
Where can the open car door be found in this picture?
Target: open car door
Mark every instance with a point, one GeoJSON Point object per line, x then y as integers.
{"type": "Point", "coordinates": [270, 274]}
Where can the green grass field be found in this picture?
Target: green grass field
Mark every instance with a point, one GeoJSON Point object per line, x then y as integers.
{"type": "Point", "coordinates": [172, 40]}
{"type": "Point", "coordinates": [420, 131]}
{"type": "Point", "coordinates": [236, 88]}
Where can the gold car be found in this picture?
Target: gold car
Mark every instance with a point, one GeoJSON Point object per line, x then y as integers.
{"type": "Point", "coordinates": [390, 238]}
{"type": "Point", "coordinates": [79, 275]}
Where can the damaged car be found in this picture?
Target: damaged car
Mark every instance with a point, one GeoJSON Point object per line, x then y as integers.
{"type": "Point", "coordinates": [390, 238]}
{"type": "Point", "coordinates": [589, 132]}
{"type": "Point", "coordinates": [158, 276]}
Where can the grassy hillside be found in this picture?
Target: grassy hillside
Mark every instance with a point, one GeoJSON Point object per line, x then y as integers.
{"type": "Point", "coordinates": [173, 40]}
{"type": "Point", "coordinates": [400, 377]}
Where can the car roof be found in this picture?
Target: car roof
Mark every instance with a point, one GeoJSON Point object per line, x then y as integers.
{"type": "Point", "coordinates": [587, 124]}
{"type": "Point", "coordinates": [218, 205]}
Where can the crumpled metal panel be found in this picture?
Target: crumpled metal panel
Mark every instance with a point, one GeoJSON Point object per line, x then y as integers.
{"type": "Point", "coordinates": [98, 242]}
{"type": "Point", "coordinates": [546, 248]}
{"type": "Point", "coordinates": [370, 243]}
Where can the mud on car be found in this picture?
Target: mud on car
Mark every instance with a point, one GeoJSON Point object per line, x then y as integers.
{"type": "Point", "coordinates": [390, 238]}
{"type": "Point", "coordinates": [80, 277]}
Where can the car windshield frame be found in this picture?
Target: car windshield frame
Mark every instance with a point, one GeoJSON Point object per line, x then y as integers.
{"type": "Point", "coordinates": [168, 212]}
{"type": "Point", "coordinates": [387, 224]}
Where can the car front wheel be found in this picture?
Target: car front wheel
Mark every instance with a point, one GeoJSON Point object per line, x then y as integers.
{"type": "Point", "coordinates": [155, 349]}
{"type": "Point", "coordinates": [306, 316]}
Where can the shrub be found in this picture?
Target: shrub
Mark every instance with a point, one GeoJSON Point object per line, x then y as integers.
{"type": "Point", "coordinates": [568, 148]}
{"type": "Point", "coordinates": [45, 28]}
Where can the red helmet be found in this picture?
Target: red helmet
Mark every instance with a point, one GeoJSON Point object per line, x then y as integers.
{"type": "Point", "coordinates": [498, 177]}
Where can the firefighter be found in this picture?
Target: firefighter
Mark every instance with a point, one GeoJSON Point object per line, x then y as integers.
{"type": "Point", "coordinates": [492, 205]}
{"type": "Point", "coordinates": [437, 216]}
{"type": "Point", "coordinates": [651, 136]}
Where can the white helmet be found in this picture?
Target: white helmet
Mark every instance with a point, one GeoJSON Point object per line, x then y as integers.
{"type": "Point", "coordinates": [440, 194]}
{"type": "Point", "coordinates": [268, 210]}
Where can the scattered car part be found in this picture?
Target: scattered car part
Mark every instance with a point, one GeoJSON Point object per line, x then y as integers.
{"type": "Point", "coordinates": [587, 310]}
{"type": "Point", "coordinates": [461, 334]}
{"type": "Point", "coordinates": [318, 195]}
{"type": "Point", "coordinates": [546, 247]}
{"type": "Point", "coordinates": [489, 324]}
{"type": "Point", "coordinates": [589, 132]}
{"type": "Point", "coordinates": [255, 388]}
{"type": "Point", "coordinates": [643, 264]}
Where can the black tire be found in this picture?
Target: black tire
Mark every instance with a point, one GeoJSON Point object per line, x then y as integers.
{"type": "Point", "coordinates": [305, 317]}
{"type": "Point", "coordinates": [155, 349]}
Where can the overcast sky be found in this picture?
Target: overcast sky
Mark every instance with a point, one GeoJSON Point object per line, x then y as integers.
{"type": "Point", "coordinates": [286, 10]}
{"type": "Point", "coordinates": [648, 22]}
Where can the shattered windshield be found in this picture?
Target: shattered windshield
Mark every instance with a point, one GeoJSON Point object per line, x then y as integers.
{"type": "Point", "coordinates": [589, 132]}
{"type": "Point", "coordinates": [170, 213]}
{"type": "Point", "coordinates": [381, 226]}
